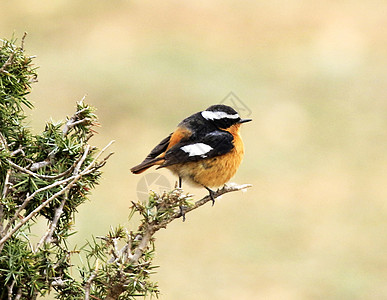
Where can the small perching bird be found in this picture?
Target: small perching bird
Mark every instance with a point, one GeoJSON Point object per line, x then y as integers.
{"type": "Point", "coordinates": [206, 148]}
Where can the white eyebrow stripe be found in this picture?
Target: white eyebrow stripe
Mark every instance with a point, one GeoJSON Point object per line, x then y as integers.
{"type": "Point", "coordinates": [211, 115]}
{"type": "Point", "coordinates": [197, 149]}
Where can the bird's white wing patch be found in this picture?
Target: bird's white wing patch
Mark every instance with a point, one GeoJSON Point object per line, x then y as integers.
{"type": "Point", "coordinates": [212, 115]}
{"type": "Point", "coordinates": [199, 149]}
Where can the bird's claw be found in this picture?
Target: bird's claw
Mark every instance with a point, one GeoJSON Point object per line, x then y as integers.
{"type": "Point", "coordinates": [211, 194]}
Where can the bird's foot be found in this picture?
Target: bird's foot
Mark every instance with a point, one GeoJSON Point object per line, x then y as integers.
{"type": "Point", "coordinates": [211, 194]}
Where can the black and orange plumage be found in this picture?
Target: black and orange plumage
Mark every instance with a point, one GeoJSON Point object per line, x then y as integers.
{"type": "Point", "coordinates": [206, 148]}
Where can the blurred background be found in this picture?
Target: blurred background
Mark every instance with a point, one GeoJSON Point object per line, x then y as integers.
{"type": "Point", "coordinates": [314, 76]}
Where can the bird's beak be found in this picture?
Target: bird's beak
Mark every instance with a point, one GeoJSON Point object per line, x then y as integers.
{"type": "Point", "coordinates": [244, 120]}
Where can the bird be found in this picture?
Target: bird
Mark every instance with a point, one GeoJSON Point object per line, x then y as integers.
{"type": "Point", "coordinates": [205, 149]}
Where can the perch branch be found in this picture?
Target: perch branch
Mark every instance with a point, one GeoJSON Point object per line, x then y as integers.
{"type": "Point", "coordinates": [220, 192]}
{"type": "Point", "coordinates": [149, 229]}
{"type": "Point", "coordinates": [153, 227]}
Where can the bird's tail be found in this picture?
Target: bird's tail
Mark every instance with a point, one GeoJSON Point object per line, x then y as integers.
{"type": "Point", "coordinates": [146, 164]}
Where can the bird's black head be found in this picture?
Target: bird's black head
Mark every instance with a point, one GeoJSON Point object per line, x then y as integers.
{"type": "Point", "coordinates": [222, 116]}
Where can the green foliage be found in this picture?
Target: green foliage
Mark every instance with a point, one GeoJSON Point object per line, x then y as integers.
{"type": "Point", "coordinates": [161, 208]}
{"type": "Point", "coordinates": [47, 176]}
{"type": "Point", "coordinates": [117, 263]}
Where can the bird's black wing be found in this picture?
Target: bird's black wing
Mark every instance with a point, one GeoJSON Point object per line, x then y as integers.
{"type": "Point", "coordinates": [152, 157]}
{"type": "Point", "coordinates": [160, 148]}
{"type": "Point", "coordinates": [210, 145]}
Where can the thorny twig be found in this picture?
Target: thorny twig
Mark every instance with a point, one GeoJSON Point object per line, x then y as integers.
{"type": "Point", "coordinates": [51, 177]}
{"type": "Point", "coordinates": [6, 184]}
{"type": "Point", "coordinates": [10, 289]}
{"type": "Point", "coordinates": [22, 41]}
{"type": "Point", "coordinates": [19, 150]}
{"type": "Point", "coordinates": [71, 122]}
{"type": "Point", "coordinates": [7, 63]}
{"type": "Point", "coordinates": [3, 142]}
{"type": "Point", "coordinates": [90, 280]}
{"type": "Point", "coordinates": [69, 183]}
{"type": "Point", "coordinates": [80, 162]}
{"type": "Point", "coordinates": [19, 294]}
{"type": "Point", "coordinates": [24, 170]}
{"type": "Point", "coordinates": [30, 197]}
{"type": "Point", "coordinates": [47, 237]}
{"type": "Point", "coordinates": [38, 209]}
{"type": "Point", "coordinates": [12, 56]}
{"type": "Point", "coordinates": [47, 187]}
{"type": "Point", "coordinates": [59, 210]}
{"type": "Point", "coordinates": [40, 164]}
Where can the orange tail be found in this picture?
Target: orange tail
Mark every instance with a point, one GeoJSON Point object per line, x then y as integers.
{"type": "Point", "coordinates": [146, 164]}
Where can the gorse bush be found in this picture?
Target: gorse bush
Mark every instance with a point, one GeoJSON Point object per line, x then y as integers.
{"type": "Point", "coordinates": [48, 176]}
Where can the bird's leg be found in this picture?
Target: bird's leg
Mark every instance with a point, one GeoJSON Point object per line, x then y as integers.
{"type": "Point", "coordinates": [179, 183]}
{"type": "Point", "coordinates": [211, 192]}
{"type": "Point", "coordinates": [181, 207]}
{"type": "Point", "coordinates": [182, 212]}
